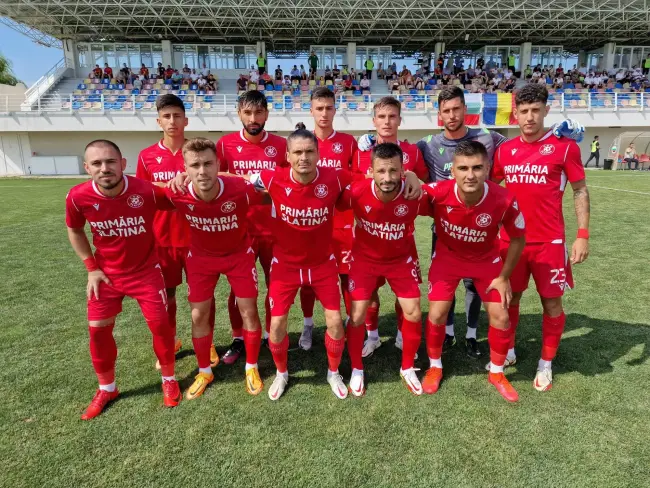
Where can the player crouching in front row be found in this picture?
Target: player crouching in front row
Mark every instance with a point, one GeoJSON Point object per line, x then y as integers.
{"type": "Point", "coordinates": [468, 213]}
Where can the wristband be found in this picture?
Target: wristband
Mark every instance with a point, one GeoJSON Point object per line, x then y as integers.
{"type": "Point", "coordinates": [583, 234]}
{"type": "Point", "coordinates": [91, 264]}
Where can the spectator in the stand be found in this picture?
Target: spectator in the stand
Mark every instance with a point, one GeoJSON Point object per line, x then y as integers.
{"type": "Point", "coordinates": [620, 76]}
{"type": "Point", "coordinates": [202, 83]}
{"type": "Point", "coordinates": [559, 70]}
{"type": "Point", "coordinates": [213, 82]}
{"type": "Point", "coordinates": [458, 64]}
{"type": "Point", "coordinates": [186, 70]}
{"type": "Point", "coordinates": [278, 73]}
{"type": "Point", "coordinates": [186, 77]}
{"type": "Point", "coordinates": [630, 157]}
{"type": "Point", "coordinates": [119, 78]}
{"type": "Point", "coordinates": [204, 70]}
{"type": "Point", "coordinates": [242, 82]}
{"type": "Point", "coordinates": [336, 72]}
{"type": "Point", "coordinates": [169, 72]}
{"type": "Point", "coordinates": [347, 83]}
{"type": "Point", "coordinates": [403, 75]}
{"type": "Point", "coordinates": [194, 76]}
{"type": "Point", "coordinates": [176, 78]}
{"type": "Point", "coordinates": [419, 83]}
{"type": "Point", "coordinates": [108, 71]}
{"type": "Point", "coordinates": [295, 73]}
{"type": "Point", "coordinates": [254, 76]}
{"type": "Point", "coordinates": [511, 62]}
{"type": "Point", "coordinates": [369, 65]}
{"type": "Point", "coordinates": [97, 71]}
{"type": "Point", "coordinates": [480, 63]}
{"type": "Point", "coordinates": [313, 63]}
{"type": "Point", "coordinates": [303, 73]}
{"type": "Point", "coordinates": [528, 73]}
{"type": "Point", "coordinates": [137, 82]}
{"type": "Point", "coordinates": [144, 71]}
{"type": "Point", "coordinates": [440, 63]}
{"type": "Point", "coordinates": [126, 72]}
{"type": "Point", "coordinates": [365, 83]}
{"type": "Point", "coordinates": [510, 85]}
{"type": "Point", "coordinates": [328, 74]}
{"type": "Point", "coordinates": [646, 65]}
{"type": "Point", "coordinates": [426, 63]}
{"type": "Point", "coordinates": [261, 64]}
{"type": "Point", "coordinates": [353, 74]}
{"type": "Point", "coordinates": [161, 71]}
{"type": "Point", "coordinates": [595, 151]}
{"type": "Point", "coordinates": [559, 82]}
{"type": "Point", "coordinates": [381, 72]}
{"type": "Point", "coordinates": [266, 79]}
{"type": "Point", "coordinates": [394, 84]}
{"type": "Point", "coordinates": [286, 83]}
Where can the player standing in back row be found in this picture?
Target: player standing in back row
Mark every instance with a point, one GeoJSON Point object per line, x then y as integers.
{"type": "Point", "coordinates": [336, 150]}
{"type": "Point", "coordinates": [251, 150]}
{"type": "Point", "coordinates": [536, 167]}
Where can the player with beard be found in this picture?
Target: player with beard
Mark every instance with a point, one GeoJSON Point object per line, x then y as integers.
{"type": "Point", "coordinates": [336, 150]}
{"type": "Point", "coordinates": [251, 150]}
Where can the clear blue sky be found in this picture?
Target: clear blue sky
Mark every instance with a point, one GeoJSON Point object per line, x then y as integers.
{"type": "Point", "coordinates": [29, 60]}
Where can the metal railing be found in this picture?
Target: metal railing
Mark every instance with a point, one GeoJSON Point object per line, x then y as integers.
{"type": "Point", "coordinates": [282, 104]}
{"type": "Point", "coordinates": [37, 90]}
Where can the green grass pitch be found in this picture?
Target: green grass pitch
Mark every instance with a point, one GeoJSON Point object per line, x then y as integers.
{"type": "Point", "coordinates": [592, 429]}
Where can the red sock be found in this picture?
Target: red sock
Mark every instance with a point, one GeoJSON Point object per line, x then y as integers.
{"type": "Point", "coordinates": [252, 342]}
{"type": "Point", "coordinates": [307, 301]}
{"type": "Point", "coordinates": [372, 318]}
{"type": "Point", "coordinates": [163, 344]}
{"type": "Point", "coordinates": [236, 322]}
{"type": "Point", "coordinates": [280, 353]}
{"type": "Point", "coordinates": [347, 299]}
{"type": "Point", "coordinates": [513, 313]}
{"type": "Point", "coordinates": [552, 328]}
{"type": "Point", "coordinates": [103, 353]}
{"type": "Point", "coordinates": [267, 317]}
{"type": "Point", "coordinates": [202, 350]}
{"type": "Point", "coordinates": [435, 338]}
{"type": "Point", "coordinates": [499, 341]}
{"type": "Point", "coordinates": [334, 348]}
{"type": "Point", "coordinates": [171, 313]}
{"type": "Point", "coordinates": [399, 314]}
{"type": "Point", "coordinates": [213, 311]}
{"type": "Point", "coordinates": [355, 336]}
{"type": "Point", "coordinates": [411, 337]}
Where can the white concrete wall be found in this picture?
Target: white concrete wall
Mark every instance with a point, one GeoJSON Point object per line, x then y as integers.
{"type": "Point", "coordinates": [11, 97]}
{"type": "Point", "coordinates": [15, 154]}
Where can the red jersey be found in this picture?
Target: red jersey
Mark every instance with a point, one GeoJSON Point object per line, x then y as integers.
{"type": "Point", "coordinates": [413, 161]}
{"type": "Point", "coordinates": [472, 233]}
{"type": "Point", "coordinates": [159, 165]}
{"type": "Point", "coordinates": [336, 152]}
{"type": "Point", "coordinates": [122, 226]}
{"type": "Point", "coordinates": [218, 227]}
{"type": "Point", "coordinates": [239, 156]}
{"type": "Point", "coordinates": [537, 173]}
{"type": "Point", "coordinates": [383, 231]}
{"type": "Point", "coordinates": [304, 214]}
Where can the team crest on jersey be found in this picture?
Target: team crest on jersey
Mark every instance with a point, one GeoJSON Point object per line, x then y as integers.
{"type": "Point", "coordinates": [406, 158]}
{"type": "Point", "coordinates": [239, 148]}
{"type": "Point", "coordinates": [513, 151]}
{"type": "Point", "coordinates": [96, 205]}
{"type": "Point", "coordinates": [401, 210]}
{"type": "Point", "coordinates": [190, 206]}
{"type": "Point", "coordinates": [321, 191]}
{"type": "Point", "coordinates": [351, 285]}
{"type": "Point", "coordinates": [135, 201]}
{"type": "Point", "coordinates": [159, 159]}
{"type": "Point", "coordinates": [270, 151]}
{"type": "Point", "coordinates": [368, 208]}
{"type": "Point", "coordinates": [547, 149]}
{"type": "Point", "coordinates": [228, 207]}
{"type": "Point", "coordinates": [337, 148]}
{"type": "Point", "coordinates": [483, 220]}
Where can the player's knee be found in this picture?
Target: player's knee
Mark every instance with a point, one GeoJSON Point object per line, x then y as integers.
{"type": "Point", "coordinates": [333, 319]}
{"type": "Point", "coordinates": [201, 318]}
{"type": "Point", "coordinates": [499, 318]}
{"type": "Point", "coordinates": [159, 326]}
{"type": "Point", "coordinates": [438, 315]}
{"type": "Point", "coordinates": [552, 306]}
{"type": "Point", "coordinates": [358, 318]}
{"type": "Point", "coordinates": [413, 315]}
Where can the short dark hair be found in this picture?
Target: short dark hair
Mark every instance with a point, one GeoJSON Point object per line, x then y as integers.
{"type": "Point", "coordinates": [531, 93]}
{"type": "Point", "coordinates": [449, 93]}
{"type": "Point", "coordinates": [301, 126]}
{"type": "Point", "coordinates": [252, 97]}
{"type": "Point", "coordinates": [169, 100]}
{"type": "Point", "coordinates": [322, 92]}
{"type": "Point", "coordinates": [387, 150]}
{"type": "Point", "coordinates": [103, 142]}
{"type": "Point", "coordinates": [387, 102]}
{"type": "Point", "coordinates": [471, 148]}
{"type": "Point", "coordinates": [302, 134]}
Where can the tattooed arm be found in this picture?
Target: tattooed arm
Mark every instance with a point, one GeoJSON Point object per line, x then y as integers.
{"type": "Point", "coordinates": [580, 249]}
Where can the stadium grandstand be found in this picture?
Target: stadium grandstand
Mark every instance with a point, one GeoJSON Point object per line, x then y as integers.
{"type": "Point", "coordinates": [118, 58]}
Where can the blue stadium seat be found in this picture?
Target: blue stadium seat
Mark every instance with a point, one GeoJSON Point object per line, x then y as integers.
{"type": "Point", "coordinates": [330, 87]}
{"type": "Point", "coordinates": [357, 93]}
{"type": "Point", "coordinates": [277, 106]}
{"type": "Point", "coordinates": [269, 99]}
{"type": "Point", "coordinates": [618, 85]}
{"type": "Point", "coordinates": [188, 105]}
{"type": "Point", "coordinates": [117, 105]}
{"type": "Point", "coordinates": [353, 105]}
{"type": "Point", "coordinates": [569, 85]}
{"type": "Point", "coordinates": [278, 88]}
{"type": "Point", "coordinates": [306, 105]}
{"type": "Point", "coordinates": [208, 98]}
{"type": "Point", "coordinates": [139, 105]}
{"type": "Point", "coordinates": [81, 86]}
{"type": "Point", "coordinates": [413, 91]}
{"type": "Point", "coordinates": [151, 98]}
{"type": "Point", "coordinates": [121, 98]}
{"type": "Point", "coordinates": [155, 92]}
{"type": "Point", "coordinates": [355, 82]}
{"type": "Point", "coordinates": [120, 87]}
{"type": "Point", "coordinates": [111, 87]}
{"type": "Point", "coordinates": [182, 92]}
{"type": "Point", "coordinates": [194, 86]}
{"type": "Point", "coordinates": [135, 91]}
{"type": "Point", "coordinates": [106, 81]}
{"type": "Point", "coordinates": [410, 105]}
{"type": "Point", "coordinates": [609, 90]}
{"type": "Point", "coordinates": [168, 82]}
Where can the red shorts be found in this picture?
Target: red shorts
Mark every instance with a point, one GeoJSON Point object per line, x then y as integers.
{"type": "Point", "coordinates": [172, 263]}
{"type": "Point", "coordinates": [286, 280]}
{"type": "Point", "coordinates": [447, 270]}
{"type": "Point", "coordinates": [342, 248]}
{"type": "Point", "coordinates": [549, 265]}
{"type": "Point", "coordinates": [203, 274]}
{"type": "Point", "coordinates": [365, 275]}
{"type": "Point", "coordinates": [146, 286]}
{"type": "Point", "coordinates": [263, 247]}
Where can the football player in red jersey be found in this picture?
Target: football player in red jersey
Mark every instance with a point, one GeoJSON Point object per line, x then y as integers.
{"type": "Point", "coordinates": [468, 213]}
{"type": "Point", "coordinates": [160, 163]}
{"type": "Point", "coordinates": [536, 168]}
{"type": "Point", "coordinates": [120, 211]}
{"type": "Point", "coordinates": [336, 150]}
{"type": "Point", "coordinates": [383, 250]}
{"type": "Point", "coordinates": [387, 117]}
{"type": "Point", "coordinates": [216, 210]}
{"type": "Point", "coordinates": [252, 149]}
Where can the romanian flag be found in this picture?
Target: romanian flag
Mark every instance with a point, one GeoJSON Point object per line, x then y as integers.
{"type": "Point", "coordinates": [473, 116]}
{"type": "Point", "coordinates": [498, 109]}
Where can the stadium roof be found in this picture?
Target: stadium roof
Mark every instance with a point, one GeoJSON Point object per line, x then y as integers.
{"type": "Point", "coordinates": [289, 25]}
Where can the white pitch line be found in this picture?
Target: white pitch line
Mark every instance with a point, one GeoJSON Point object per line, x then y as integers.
{"type": "Point", "coordinates": [618, 189]}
